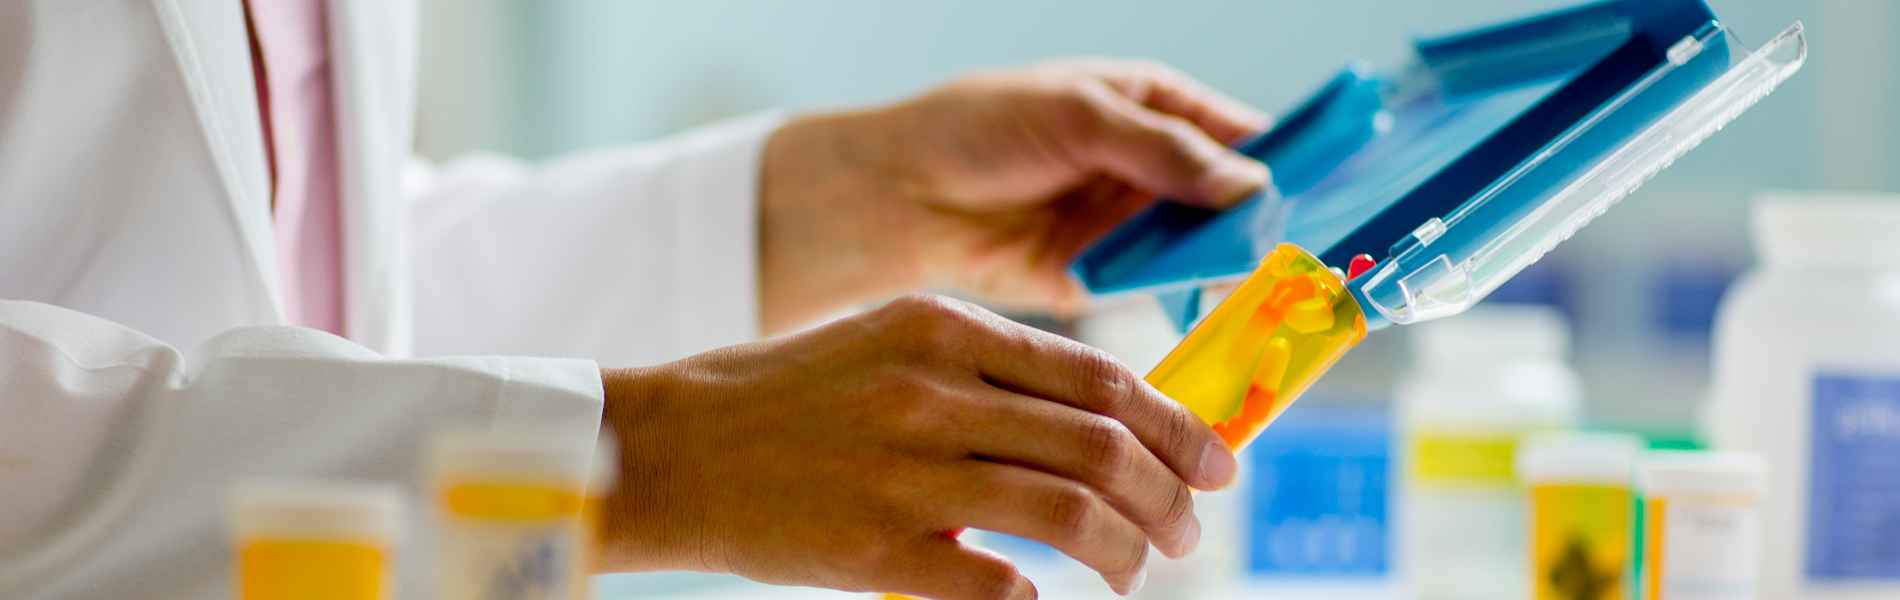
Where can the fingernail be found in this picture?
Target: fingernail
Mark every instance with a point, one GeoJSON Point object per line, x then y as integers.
{"type": "Point", "coordinates": [1234, 178]}
{"type": "Point", "coordinates": [1217, 465]}
{"type": "Point", "coordinates": [1191, 539]}
{"type": "Point", "coordinates": [1141, 578]}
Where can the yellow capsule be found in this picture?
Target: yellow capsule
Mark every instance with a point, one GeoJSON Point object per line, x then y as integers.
{"type": "Point", "coordinates": [1273, 361]}
{"type": "Point", "coordinates": [1311, 315]}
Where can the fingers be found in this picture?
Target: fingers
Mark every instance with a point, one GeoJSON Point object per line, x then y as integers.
{"type": "Point", "coordinates": [1088, 448]}
{"type": "Point", "coordinates": [1041, 364]}
{"type": "Point", "coordinates": [1169, 91]}
{"type": "Point", "coordinates": [1050, 367]}
{"type": "Point", "coordinates": [941, 568]}
{"type": "Point", "coordinates": [1161, 153]}
{"type": "Point", "coordinates": [1061, 513]}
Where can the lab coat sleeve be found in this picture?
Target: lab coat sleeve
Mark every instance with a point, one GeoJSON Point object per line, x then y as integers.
{"type": "Point", "coordinates": [116, 451]}
{"type": "Point", "coordinates": [630, 255]}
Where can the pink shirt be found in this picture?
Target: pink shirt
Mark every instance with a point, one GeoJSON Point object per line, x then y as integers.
{"type": "Point", "coordinates": [292, 37]}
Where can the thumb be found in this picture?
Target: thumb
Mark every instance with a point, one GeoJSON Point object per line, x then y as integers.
{"type": "Point", "coordinates": [1164, 154]}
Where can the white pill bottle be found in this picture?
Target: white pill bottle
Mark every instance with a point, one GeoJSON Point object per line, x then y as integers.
{"type": "Point", "coordinates": [1477, 384]}
{"type": "Point", "coordinates": [1807, 374]}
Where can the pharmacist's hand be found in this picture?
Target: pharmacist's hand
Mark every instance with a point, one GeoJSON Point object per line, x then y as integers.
{"type": "Point", "coordinates": [989, 184]}
{"type": "Point", "coordinates": [847, 457]}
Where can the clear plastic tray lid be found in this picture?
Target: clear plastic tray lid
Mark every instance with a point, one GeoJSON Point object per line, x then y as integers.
{"type": "Point", "coordinates": [1448, 264]}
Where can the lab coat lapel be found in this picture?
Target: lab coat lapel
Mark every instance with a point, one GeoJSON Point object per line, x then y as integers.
{"type": "Point", "coordinates": [372, 61]}
{"type": "Point", "coordinates": [214, 57]}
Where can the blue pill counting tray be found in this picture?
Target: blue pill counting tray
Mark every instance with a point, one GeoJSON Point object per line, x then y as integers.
{"type": "Point", "coordinates": [1466, 165]}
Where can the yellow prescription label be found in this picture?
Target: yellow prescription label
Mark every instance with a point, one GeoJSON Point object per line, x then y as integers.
{"type": "Point", "coordinates": [304, 570]}
{"type": "Point", "coordinates": [511, 502]}
{"type": "Point", "coordinates": [1463, 458]}
{"type": "Point", "coordinates": [1580, 542]}
{"type": "Point", "coordinates": [522, 541]}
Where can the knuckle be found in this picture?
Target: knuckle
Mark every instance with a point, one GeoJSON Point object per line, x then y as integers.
{"type": "Point", "coordinates": [1074, 95]}
{"type": "Point", "coordinates": [1072, 512]}
{"type": "Point", "coordinates": [1178, 432]}
{"type": "Point", "coordinates": [1077, 108]}
{"type": "Point", "coordinates": [926, 324]}
{"type": "Point", "coordinates": [1180, 133]}
{"type": "Point", "coordinates": [1104, 382]}
{"type": "Point", "coordinates": [1111, 449]}
{"type": "Point", "coordinates": [1180, 508]}
{"type": "Point", "coordinates": [914, 307]}
{"type": "Point", "coordinates": [860, 554]}
{"type": "Point", "coordinates": [914, 399]}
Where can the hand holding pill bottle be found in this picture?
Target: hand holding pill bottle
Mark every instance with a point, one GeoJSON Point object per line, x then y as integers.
{"type": "Point", "coordinates": [1263, 346]}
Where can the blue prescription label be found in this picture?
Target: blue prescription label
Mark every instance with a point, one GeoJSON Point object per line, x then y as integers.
{"type": "Point", "coordinates": [1318, 493]}
{"type": "Point", "coordinates": [1854, 487]}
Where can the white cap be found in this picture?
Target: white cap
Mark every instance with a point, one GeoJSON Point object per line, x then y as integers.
{"type": "Point", "coordinates": [1578, 457]}
{"type": "Point", "coordinates": [1493, 332]}
{"type": "Point", "coordinates": [557, 454]}
{"type": "Point", "coordinates": [1665, 472]}
{"type": "Point", "coordinates": [316, 508]}
{"type": "Point", "coordinates": [1841, 228]}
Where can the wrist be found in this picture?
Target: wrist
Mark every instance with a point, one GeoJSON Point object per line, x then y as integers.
{"type": "Point", "coordinates": [642, 527]}
{"type": "Point", "coordinates": [838, 218]}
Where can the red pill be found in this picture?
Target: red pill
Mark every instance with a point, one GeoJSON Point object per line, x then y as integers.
{"type": "Point", "coordinates": [1359, 265]}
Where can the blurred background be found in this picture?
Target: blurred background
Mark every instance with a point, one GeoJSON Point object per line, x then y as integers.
{"type": "Point", "coordinates": [535, 78]}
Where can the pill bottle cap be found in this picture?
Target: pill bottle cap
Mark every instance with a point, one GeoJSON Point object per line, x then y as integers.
{"type": "Point", "coordinates": [1493, 332]}
{"type": "Point", "coordinates": [1827, 228]}
{"type": "Point", "coordinates": [1578, 457]}
{"type": "Point", "coordinates": [539, 454]}
{"type": "Point", "coordinates": [1665, 472]}
{"type": "Point", "coordinates": [316, 508]}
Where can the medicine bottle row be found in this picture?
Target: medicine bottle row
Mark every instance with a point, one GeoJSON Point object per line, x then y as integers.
{"type": "Point", "coordinates": [509, 516]}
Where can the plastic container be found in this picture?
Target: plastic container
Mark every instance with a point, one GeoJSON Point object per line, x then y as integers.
{"type": "Point", "coordinates": [1466, 165]}
{"type": "Point", "coordinates": [1263, 345]}
{"type": "Point", "coordinates": [1582, 520]}
{"type": "Point", "coordinates": [328, 539]}
{"type": "Point", "coordinates": [508, 514]}
{"type": "Point", "coordinates": [1317, 488]}
{"type": "Point", "coordinates": [1807, 374]}
{"type": "Point", "coordinates": [1477, 385]}
{"type": "Point", "coordinates": [1701, 525]}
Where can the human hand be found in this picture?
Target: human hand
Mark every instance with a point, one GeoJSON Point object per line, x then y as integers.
{"type": "Point", "coordinates": [989, 184]}
{"type": "Point", "coordinates": [847, 456]}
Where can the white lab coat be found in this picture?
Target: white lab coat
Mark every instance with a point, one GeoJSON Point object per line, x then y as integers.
{"type": "Point", "coordinates": [144, 363]}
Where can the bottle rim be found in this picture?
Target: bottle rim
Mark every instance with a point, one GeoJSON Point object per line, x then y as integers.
{"type": "Point", "coordinates": [1827, 228]}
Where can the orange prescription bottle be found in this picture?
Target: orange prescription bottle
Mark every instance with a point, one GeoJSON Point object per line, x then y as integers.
{"type": "Point", "coordinates": [1581, 513]}
{"type": "Point", "coordinates": [1701, 525]}
{"type": "Point", "coordinates": [1286, 324]}
{"type": "Point", "coordinates": [507, 509]}
{"type": "Point", "coordinates": [315, 539]}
